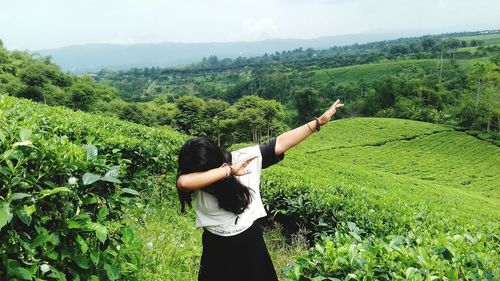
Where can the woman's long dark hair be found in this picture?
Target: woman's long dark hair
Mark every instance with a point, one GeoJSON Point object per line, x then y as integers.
{"type": "Point", "coordinates": [202, 154]}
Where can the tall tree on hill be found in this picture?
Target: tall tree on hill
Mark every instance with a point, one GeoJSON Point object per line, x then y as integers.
{"type": "Point", "coordinates": [306, 101]}
{"type": "Point", "coordinates": [215, 114]}
{"type": "Point", "coordinates": [189, 117]}
{"type": "Point", "coordinates": [480, 107]}
{"type": "Point", "coordinates": [83, 95]}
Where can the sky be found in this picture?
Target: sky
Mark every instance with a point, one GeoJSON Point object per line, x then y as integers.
{"type": "Point", "coordinates": [43, 24]}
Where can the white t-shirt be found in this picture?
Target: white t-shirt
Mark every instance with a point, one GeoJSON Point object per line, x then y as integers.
{"type": "Point", "coordinates": [225, 223]}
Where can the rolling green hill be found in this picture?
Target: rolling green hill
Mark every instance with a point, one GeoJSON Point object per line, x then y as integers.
{"type": "Point", "coordinates": [374, 71]}
{"type": "Point", "coordinates": [401, 155]}
{"type": "Point", "coordinates": [488, 39]}
{"type": "Point", "coordinates": [371, 180]}
{"type": "Point", "coordinates": [377, 197]}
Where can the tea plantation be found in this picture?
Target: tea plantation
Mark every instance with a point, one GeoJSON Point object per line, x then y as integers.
{"type": "Point", "coordinates": [89, 197]}
{"type": "Point", "coordinates": [68, 181]}
{"type": "Point", "coordinates": [391, 199]}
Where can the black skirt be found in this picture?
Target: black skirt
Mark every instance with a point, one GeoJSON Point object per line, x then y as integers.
{"type": "Point", "coordinates": [240, 257]}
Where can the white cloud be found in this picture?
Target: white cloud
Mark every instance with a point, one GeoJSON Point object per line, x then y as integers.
{"type": "Point", "coordinates": [56, 23]}
{"type": "Point", "coordinates": [262, 28]}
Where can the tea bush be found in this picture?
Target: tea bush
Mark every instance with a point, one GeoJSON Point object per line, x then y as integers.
{"type": "Point", "coordinates": [66, 181]}
{"type": "Point", "coordinates": [373, 213]}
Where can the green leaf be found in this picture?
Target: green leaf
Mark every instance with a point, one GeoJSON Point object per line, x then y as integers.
{"type": "Point", "coordinates": [74, 274]}
{"type": "Point", "coordinates": [24, 134]}
{"type": "Point", "coordinates": [72, 224]}
{"type": "Point", "coordinates": [130, 191]}
{"type": "Point", "coordinates": [19, 196]}
{"type": "Point", "coordinates": [103, 213]}
{"type": "Point", "coordinates": [41, 239]}
{"type": "Point", "coordinates": [9, 163]}
{"type": "Point", "coordinates": [22, 273]}
{"type": "Point", "coordinates": [48, 192]}
{"type": "Point", "coordinates": [110, 179]}
{"type": "Point", "coordinates": [5, 213]}
{"type": "Point", "coordinates": [102, 233]}
{"type": "Point", "coordinates": [82, 262]}
{"type": "Point", "coordinates": [54, 239]}
{"type": "Point", "coordinates": [100, 230]}
{"type": "Point", "coordinates": [113, 172]}
{"type": "Point", "coordinates": [23, 216]}
{"type": "Point", "coordinates": [91, 151]}
{"type": "Point", "coordinates": [30, 209]}
{"type": "Point", "coordinates": [94, 256]}
{"type": "Point", "coordinates": [356, 236]}
{"type": "Point", "coordinates": [352, 226]}
{"type": "Point", "coordinates": [23, 143]}
{"type": "Point", "coordinates": [83, 244]}
{"type": "Point", "coordinates": [89, 200]}
{"type": "Point", "coordinates": [127, 235]}
{"type": "Point", "coordinates": [93, 278]}
{"type": "Point", "coordinates": [112, 271]}
{"type": "Point", "coordinates": [53, 255]}
{"type": "Point", "coordinates": [89, 178]}
{"type": "Point", "coordinates": [8, 153]}
{"type": "Point", "coordinates": [410, 271]}
{"type": "Point", "coordinates": [57, 274]}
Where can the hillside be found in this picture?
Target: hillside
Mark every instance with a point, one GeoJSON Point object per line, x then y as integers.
{"type": "Point", "coordinates": [374, 71]}
{"type": "Point", "coordinates": [412, 151]}
{"type": "Point", "coordinates": [94, 57]}
{"type": "Point", "coordinates": [367, 185]}
{"type": "Point", "coordinates": [407, 159]}
{"type": "Point", "coordinates": [398, 193]}
{"type": "Point", "coordinates": [219, 76]}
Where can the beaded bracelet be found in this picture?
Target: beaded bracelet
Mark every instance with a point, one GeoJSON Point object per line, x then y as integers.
{"type": "Point", "coordinates": [318, 127]}
{"type": "Point", "coordinates": [228, 174]}
{"type": "Point", "coordinates": [312, 131]}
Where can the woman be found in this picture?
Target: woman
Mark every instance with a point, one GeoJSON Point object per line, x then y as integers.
{"type": "Point", "coordinates": [226, 190]}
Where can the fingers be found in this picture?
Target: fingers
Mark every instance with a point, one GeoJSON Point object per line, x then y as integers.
{"type": "Point", "coordinates": [338, 103]}
{"type": "Point", "coordinates": [245, 172]}
{"type": "Point", "coordinates": [244, 162]}
{"type": "Point", "coordinates": [249, 159]}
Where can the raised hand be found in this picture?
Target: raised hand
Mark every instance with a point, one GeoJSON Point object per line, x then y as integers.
{"type": "Point", "coordinates": [328, 114]}
{"type": "Point", "coordinates": [239, 167]}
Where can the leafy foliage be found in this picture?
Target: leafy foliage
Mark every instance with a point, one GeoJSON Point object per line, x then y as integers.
{"type": "Point", "coordinates": [66, 184]}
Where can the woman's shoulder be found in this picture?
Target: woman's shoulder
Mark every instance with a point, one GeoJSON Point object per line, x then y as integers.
{"type": "Point", "coordinates": [246, 149]}
{"type": "Point", "coordinates": [245, 152]}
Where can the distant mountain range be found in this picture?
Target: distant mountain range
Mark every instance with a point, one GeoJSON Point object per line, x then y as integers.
{"type": "Point", "coordinates": [94, 57]}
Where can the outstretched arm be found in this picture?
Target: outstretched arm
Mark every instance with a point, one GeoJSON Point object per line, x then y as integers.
{"type": "Point", "coordinates": [293, 137]}
{"type": "Point", "coordinates": [197, 180]}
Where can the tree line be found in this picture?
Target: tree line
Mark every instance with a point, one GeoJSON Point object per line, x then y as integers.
{"type": "Point", "coordinates": [257, 104]}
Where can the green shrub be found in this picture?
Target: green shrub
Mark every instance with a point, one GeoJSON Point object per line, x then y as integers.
{"type": "Point", "coordinates": [66, 182]}
{"type": "Point", "coordinates": [373, 210]}
{"type": "Point", "coordinates": [425, 255]}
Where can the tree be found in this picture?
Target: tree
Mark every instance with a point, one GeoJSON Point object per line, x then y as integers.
{"type": "Point", "coordinates": [83, 94]}
{"type": "Point", "coordinates": [480, 106]}
{"type": "Point", "coordinates": [189, 118]}
{"type": "Point", "coordinates": [215, 114]}
{"type": "Point", "coordinates": [306, 101]}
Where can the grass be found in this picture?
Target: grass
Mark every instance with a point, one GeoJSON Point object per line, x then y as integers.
{"type": "Point", "coordinates": [170, 245]}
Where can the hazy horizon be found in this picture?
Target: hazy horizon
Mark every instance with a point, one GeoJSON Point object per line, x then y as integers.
{"type": "Point", "coordinates": [62, 23]}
